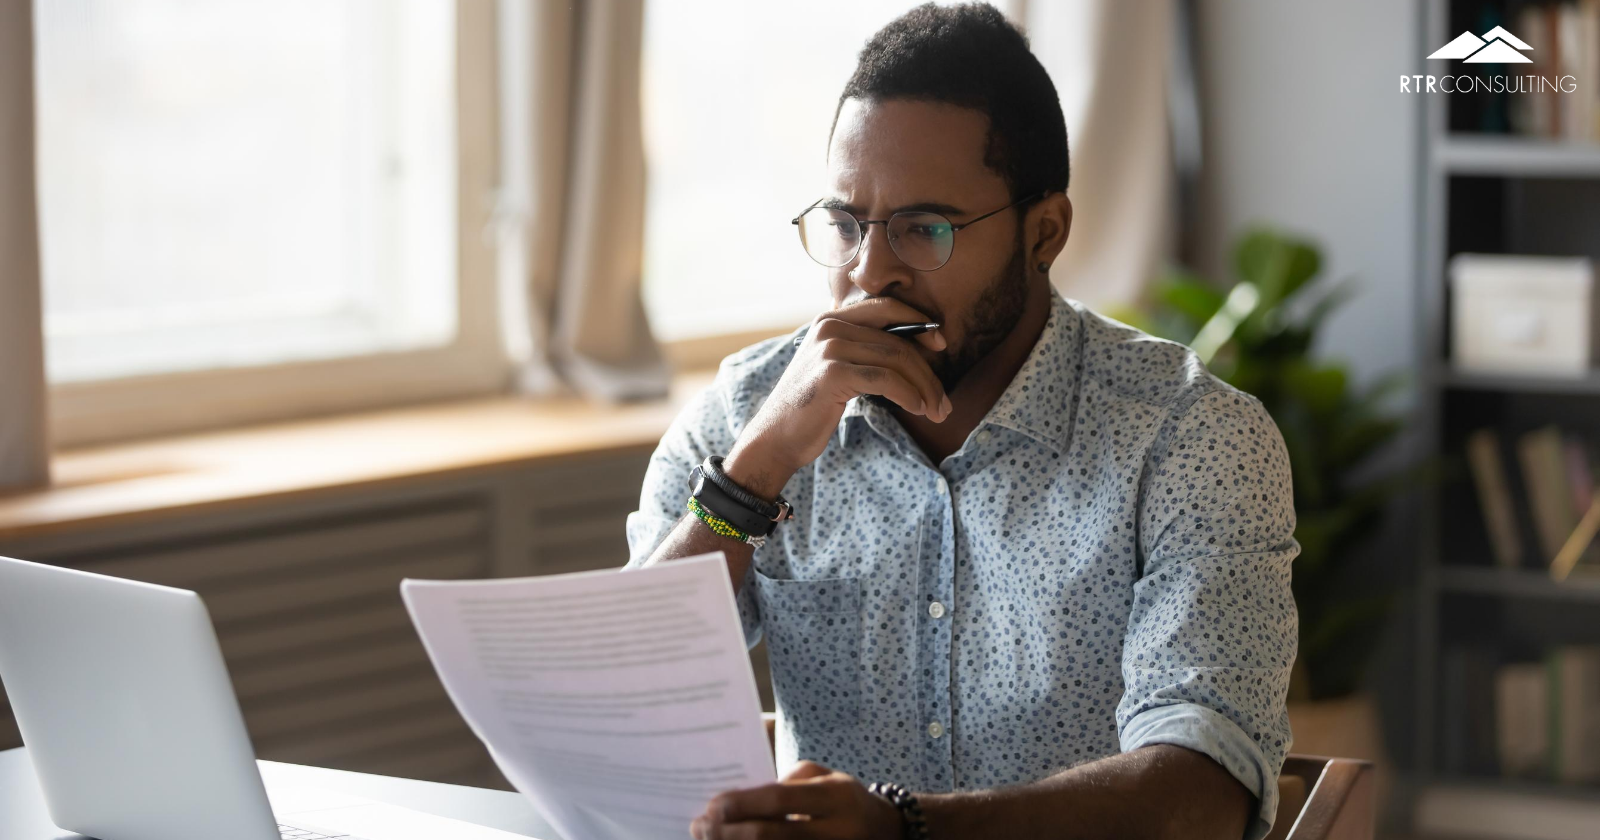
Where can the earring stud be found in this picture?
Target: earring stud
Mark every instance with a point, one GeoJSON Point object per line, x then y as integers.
{"type": "Point", "coordinates": [1044, 267]}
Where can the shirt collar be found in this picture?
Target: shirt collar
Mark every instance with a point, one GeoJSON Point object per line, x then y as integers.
{"type": "Point", "coordinates": [1038, 402]}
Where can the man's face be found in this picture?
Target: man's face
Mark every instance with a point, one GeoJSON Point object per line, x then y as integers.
{"type": "Point", "coordinates": [898, 154]}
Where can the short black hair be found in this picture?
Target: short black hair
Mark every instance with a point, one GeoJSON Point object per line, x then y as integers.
{"type": "Point", "coordinates": [970, 55]}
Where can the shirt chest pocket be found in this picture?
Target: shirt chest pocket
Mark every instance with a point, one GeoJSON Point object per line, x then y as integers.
{"type": "Point", "coordinates": [813, 632]}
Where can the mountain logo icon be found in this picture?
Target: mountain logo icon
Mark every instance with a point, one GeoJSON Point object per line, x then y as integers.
{"type": "Point", "coordinates": [1497, 46]}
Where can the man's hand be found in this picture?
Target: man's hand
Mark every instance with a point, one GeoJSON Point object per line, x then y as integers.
{"type": "Point", "coordinates": [810, 802]}
{"type": "Point", "coordinates": [845, 354]}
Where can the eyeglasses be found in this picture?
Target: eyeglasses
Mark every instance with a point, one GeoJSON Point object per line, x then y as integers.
{"type": "Point", "coordinates": [921, 239]}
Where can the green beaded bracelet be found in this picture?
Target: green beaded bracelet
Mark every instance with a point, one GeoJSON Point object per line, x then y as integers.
{"type": "Point", "coordinates": [721, 526]}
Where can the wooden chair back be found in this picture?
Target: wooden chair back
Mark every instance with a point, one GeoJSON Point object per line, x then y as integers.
{"type": "Point", "coordinates": [1321, 798]}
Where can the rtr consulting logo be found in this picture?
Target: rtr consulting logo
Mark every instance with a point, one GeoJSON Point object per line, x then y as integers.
{"type": "Point", "coordinates": [1497, 46]}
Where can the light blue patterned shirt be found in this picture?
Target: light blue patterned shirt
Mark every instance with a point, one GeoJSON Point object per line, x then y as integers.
{"type": "Point", "coordinates": [1102, 565]}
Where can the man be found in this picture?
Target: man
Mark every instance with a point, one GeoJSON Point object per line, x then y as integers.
{"type": "Point", "coordinates": [1037, 572]}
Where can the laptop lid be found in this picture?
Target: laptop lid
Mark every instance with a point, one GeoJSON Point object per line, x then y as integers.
{"type": "Point", "coordinates": [124, 703]}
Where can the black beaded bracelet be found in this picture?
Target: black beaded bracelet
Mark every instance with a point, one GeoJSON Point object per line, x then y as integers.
{"type": "Point", "coordinates": [915, 826]}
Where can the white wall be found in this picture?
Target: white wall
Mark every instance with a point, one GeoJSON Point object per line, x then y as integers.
{"type": "Point", "coordinates": [1305, 129]}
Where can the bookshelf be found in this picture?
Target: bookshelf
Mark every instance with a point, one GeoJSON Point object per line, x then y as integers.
{"type": "Point", "coordinates": [1588, 384]}
{"type": "Point", "coordinates": [1497, 193]}
{"type": "Point", "coordinates": [1461, 154]}
{"type": "Point", "coordinates": [1508, 583]}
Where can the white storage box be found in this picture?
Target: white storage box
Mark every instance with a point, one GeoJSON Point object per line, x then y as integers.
{"type": "Point", "coordinates": [1522, 314]}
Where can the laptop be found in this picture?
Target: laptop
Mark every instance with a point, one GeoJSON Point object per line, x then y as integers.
{"type": "Point", "coordinates": [123, 700]}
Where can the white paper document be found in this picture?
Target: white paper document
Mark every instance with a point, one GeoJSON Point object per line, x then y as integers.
{"type": "Point", "coordinates": [619, 702]}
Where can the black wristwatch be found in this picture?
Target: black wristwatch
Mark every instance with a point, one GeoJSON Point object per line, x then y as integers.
{"type": "Point", "coordinates": [721, 495]}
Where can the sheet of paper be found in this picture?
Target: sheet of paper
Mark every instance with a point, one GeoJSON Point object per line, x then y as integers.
{"type": "Point", "coordinates": [619, 702]}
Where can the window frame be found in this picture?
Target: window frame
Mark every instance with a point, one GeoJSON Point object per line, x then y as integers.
{"type": "Point", "coordinates": [473, 363]}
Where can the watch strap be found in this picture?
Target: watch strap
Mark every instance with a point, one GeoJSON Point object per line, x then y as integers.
{"type": "Point", "coordinates": [711, 496]}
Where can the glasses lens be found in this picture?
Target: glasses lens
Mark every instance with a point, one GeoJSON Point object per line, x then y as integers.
{"type": "Point", "coordinates": [831, 237]}
{"type": "Point", "coordinates": [922, 240]}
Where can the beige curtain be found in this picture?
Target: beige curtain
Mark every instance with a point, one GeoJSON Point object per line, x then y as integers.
{"type": "Point", "coordinates": [1110, 61]}
{"type": "Point", "coordinates": [24, 453]}
{"type": "Point", "coordinates": [571, 219]}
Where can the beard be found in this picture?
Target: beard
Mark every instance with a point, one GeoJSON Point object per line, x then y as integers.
{"type": "Point", "coordinates": [990, 320]}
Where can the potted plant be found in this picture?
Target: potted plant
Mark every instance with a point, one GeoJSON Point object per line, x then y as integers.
{"type": "Point", "coordinates": [1258, 335]}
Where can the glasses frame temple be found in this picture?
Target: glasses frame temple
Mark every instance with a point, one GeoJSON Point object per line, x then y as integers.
{"type": "Point", "coordinates": [1023, 200]}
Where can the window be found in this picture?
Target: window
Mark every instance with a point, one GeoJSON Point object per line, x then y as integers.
{"type": "Point", "coordinates": [227, 184]}
{"type": "Point", "coordinates": [736, 132]}
{"type": "Point", "coordinates": [232, 187]}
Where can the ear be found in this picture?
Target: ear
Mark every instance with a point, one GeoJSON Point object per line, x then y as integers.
{"type": "Point", "coordinates": [1050, 220]}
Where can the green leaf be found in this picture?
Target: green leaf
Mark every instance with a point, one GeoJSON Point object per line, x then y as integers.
{"type": "Point", "coordinates": [1218, 331]}
{"type": "Point", "coordinates": [1190, 295]}
{"type": "Point", "coordinates": [1334, 295]}
{"type": "Point", "coordinates": [1380, 390]}
{"type": "Point", "coordinates": [1311, 487]}
{"type": "Point", "coordinates": [1356, 439]}
{"type": "Point", "coordinates": [1340, 620]}
{"type": "Point", "coordinates": [1317, 531]}
{"type": "Point", "coordinates": [1337, 644]}
{"type": "Point", "coordinates": [1322, 389]}
{"type": "Point", "coordinates": [1254, 376]}
{"type": "Point", "coordinates": [1139, 320]}
{"type": "Point", "coordinates": [1276, 264]}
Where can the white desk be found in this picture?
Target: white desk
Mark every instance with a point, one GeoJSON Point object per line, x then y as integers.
{"type": "Point", "coordinates": [23, 815]}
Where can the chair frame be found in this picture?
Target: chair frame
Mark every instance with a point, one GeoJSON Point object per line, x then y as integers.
{"type": "Point", "coordinates": [1340, 800]}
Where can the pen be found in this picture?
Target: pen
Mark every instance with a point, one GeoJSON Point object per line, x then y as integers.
{"type": "Point", "coordinates": [902, 330]}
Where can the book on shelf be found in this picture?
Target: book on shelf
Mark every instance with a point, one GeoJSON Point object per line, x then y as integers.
{"type": "Point", "coordinates": [1584, 29]}
{"type": "Point", "coordinates": [1494, 497]}
{"type": "Point", "coordinates": [1469, 810]}
{"type": "Point", "coordinates": [1542, 454]}
{"type": "Point", "coordinates": [1565, 54]}
{"type": "Point", "coordinates": [1573, 683]}
{"type": "Point", "coordinates": [1522, 720]}
{"type": "Point", "coordinates": [1580, 545]}
{"type": "Point", "coordinates": [1546, 717]}
{"type": "Point", "coordinates": [1467, 711]}
{"type": "Point", "coordinates": [1531, 112]}
{"type": "Point", "coordinates": [1580, 474]}
{"type": "Point", "coordinates": [1557, 471]}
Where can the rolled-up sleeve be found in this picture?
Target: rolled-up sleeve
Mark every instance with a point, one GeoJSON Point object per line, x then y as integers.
{"type": "Point", "coordinates": [702, 428]}
{"type": "Point", "coordinates": [1212, 634]}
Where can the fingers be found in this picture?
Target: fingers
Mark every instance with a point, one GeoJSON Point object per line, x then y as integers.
{"type": "Point", "coordinates": [773, 802]}
{"type": "Point", "coordinates": [864, 347]}
{"type": "Point", "coordinates": [880, 312]}
{"type": "Point", "coordinates": [853, 380]}
{"type": "Point", "coordinates": [873, 370]}
{"type": "Point", "coordinates": [793, 808]}
{"type": "Point", "coordinates": [705, 829]}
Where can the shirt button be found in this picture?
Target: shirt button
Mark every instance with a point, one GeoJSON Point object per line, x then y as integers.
{"type": "Point", "coordinates": [983, 436]}
{"type": "Point", "coordinates": [936, 609]}
{"type": "Point", "coordinates": [944, 487]}
{"type": "Point", "coordinates": [935, 729]}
